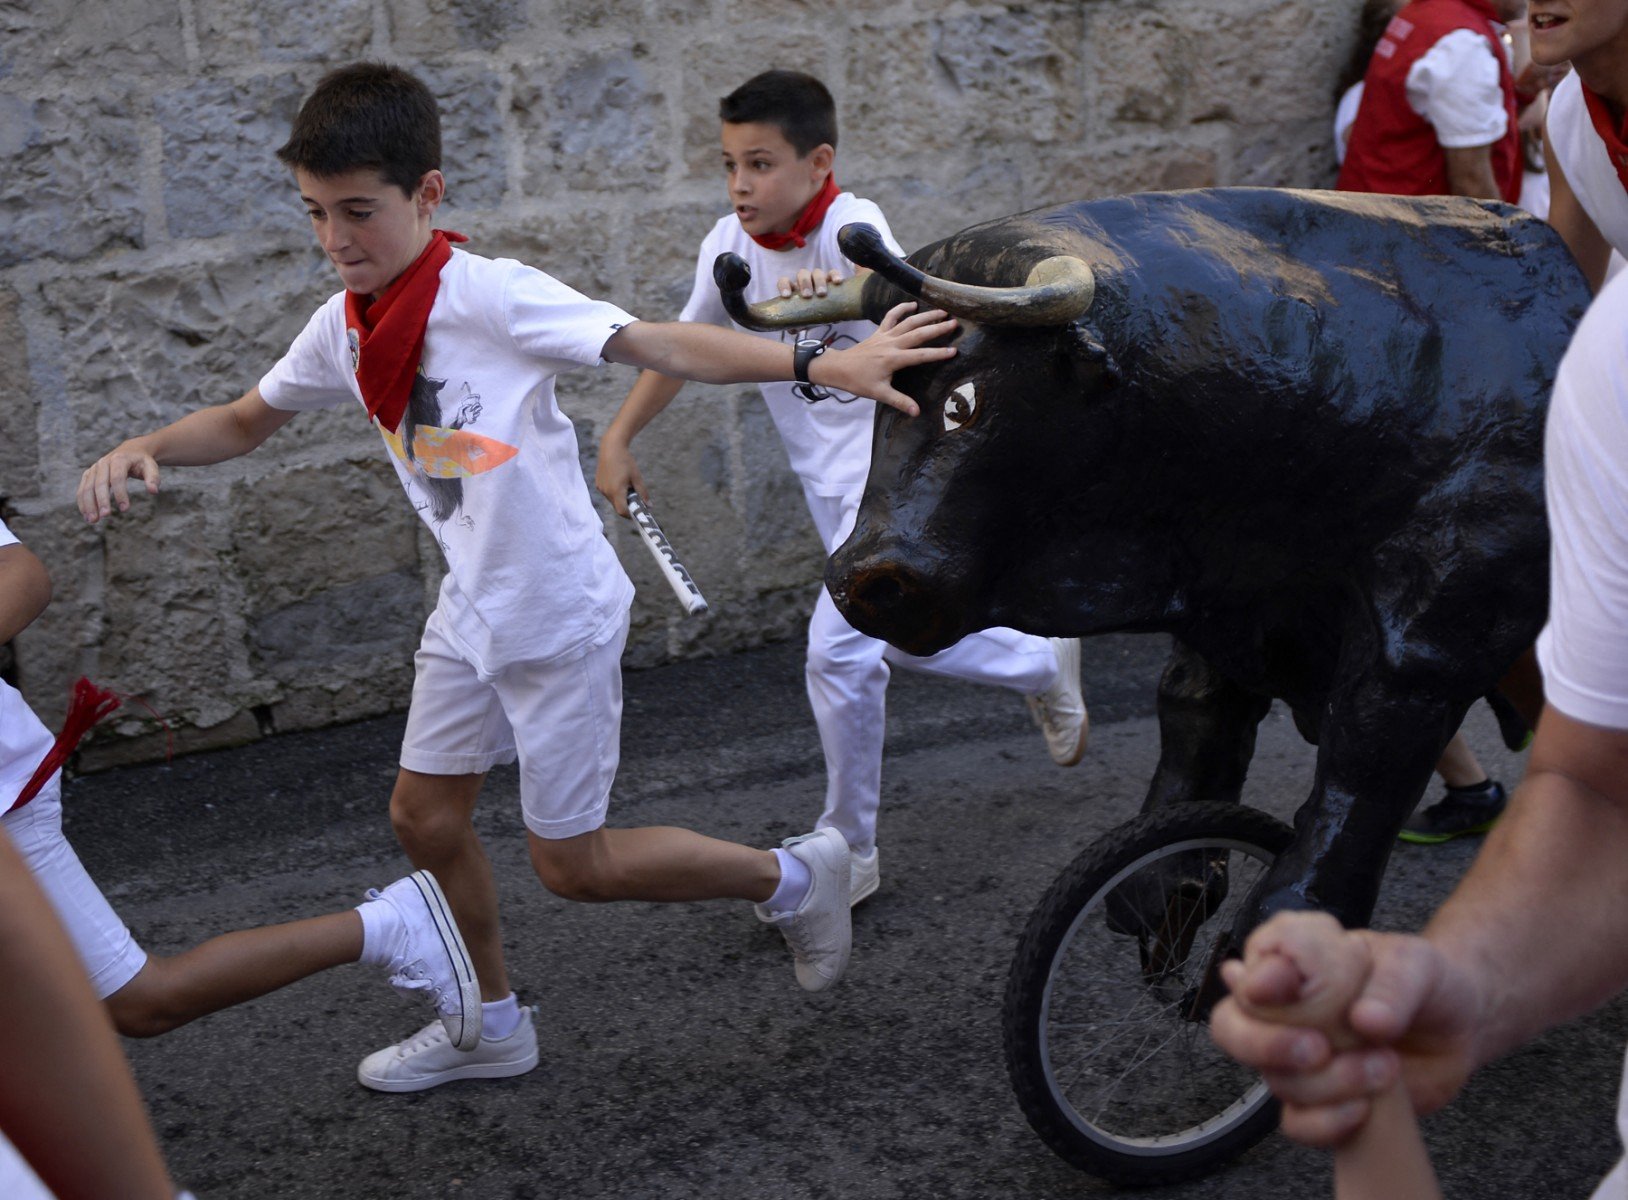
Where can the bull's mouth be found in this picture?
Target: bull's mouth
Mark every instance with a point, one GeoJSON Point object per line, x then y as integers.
{"type": "Point", "coordinates": [890, 603]}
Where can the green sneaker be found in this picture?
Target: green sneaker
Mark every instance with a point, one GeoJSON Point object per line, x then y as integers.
{"type": "Point", "coordinates": [1460, 811]}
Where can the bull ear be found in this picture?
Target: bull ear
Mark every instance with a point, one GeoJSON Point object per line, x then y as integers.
{"type": "Point", "coordinates": [1091, 357]}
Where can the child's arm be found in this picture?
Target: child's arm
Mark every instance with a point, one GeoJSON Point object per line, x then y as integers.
{"type": "Point", "coordinates": [707, 354]}
{"type": "Point", "coordinates": [67, 1099]}
{"type": "Point", "coordinates": [1319, 969]}
{"type": "Point", "coordinates": [618, 470]}
{"type": "Point", "coordinates": [25, 590]}
{"type": "Point", "coordinates": [210, 435]}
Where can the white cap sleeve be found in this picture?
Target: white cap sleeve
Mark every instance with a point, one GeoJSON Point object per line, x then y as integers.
{"type": "Point", "coordinates": [1456, 86]}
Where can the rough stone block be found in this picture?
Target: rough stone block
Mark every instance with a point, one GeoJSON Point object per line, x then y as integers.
{"type": "Point", "coordinates": [1014, 74]}
{"type": "Point", "coordinates": [592, 123]}
{"type": "Point", "coordinates": [1289, 154]}
{"type": "Point", "coordinates": [430, 29]}
{"type": "Point", "coordinates": [19, 411]}
{"type": "Point", "coordinates": [231, 32]}
{"type": "Point", "coordinates": [51, 39]}
{"type": "Point", "coordinates": [578, 248]}
{"type": "Point", "coordinates": [473, 156]}
{"type": "Point", "coordinates": [72, 183]}
{"type": "Point", "coordinates": [1117, 168]}
{"type": "Point", "coordinates": [301, 533]}
{"type": "Point", "coordinates": [1139, 66]}
{"type": "Point", "coordinates": [221, 174]}
{"type": "Point", "coordinates": [140, 349]}
{"type": "Point", "coordinates": [1256, 62]}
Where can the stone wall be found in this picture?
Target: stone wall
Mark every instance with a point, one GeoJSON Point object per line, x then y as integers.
{"type": "Point", "coordinates": [154, 258]}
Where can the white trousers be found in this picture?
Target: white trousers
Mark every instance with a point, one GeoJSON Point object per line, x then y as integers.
{"type": "Point", "coordinates": [847, 684]}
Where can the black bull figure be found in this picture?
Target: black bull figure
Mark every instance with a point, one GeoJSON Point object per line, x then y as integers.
{"type": "Point", "coordinates": [1300, 431]}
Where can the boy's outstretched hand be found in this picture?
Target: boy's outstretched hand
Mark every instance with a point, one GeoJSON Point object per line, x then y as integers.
{"type": "Point", "coordinates": [899, 342]}
{"type": "Point", "coordinates": [106, 481]}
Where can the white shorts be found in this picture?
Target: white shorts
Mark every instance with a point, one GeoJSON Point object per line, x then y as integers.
{"type": "Point", "coordinates": [562, 719]}
{"type": "Point", "coordinates": [110, 954]}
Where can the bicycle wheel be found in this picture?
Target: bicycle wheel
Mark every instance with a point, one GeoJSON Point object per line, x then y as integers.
{"type": "Point", "coordinates": [1110, 992]}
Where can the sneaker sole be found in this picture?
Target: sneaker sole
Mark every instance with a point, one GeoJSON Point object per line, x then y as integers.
{"type": "Point", "coordinates": [473, 1071]}
{"type": "Point", "coordinates": [868, 888]}
{"type": "Point", "coordinates": [1436, 839]}
{"type": "Point", "coordinates": [468, 1037]}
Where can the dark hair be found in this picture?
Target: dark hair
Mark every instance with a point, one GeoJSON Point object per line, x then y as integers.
{"type": "Point", "coordinates": [1376, 15]}
{"type": "Point", "coordinates": [796, 104]}
{"type": "Point", "coordinates": [367, 115]}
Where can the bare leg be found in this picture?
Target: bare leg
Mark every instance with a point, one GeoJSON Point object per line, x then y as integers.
{"type": "Point", "coordinates": [432, 816]}
{"type": "Point", "coordinates": [653, 863]}
{"type": "Point", "coordinates": [67, 1100]}
{"type": "Point", "coordinates": [1458, 766]}
{"type": "Point", "coordinates": [231, 969]}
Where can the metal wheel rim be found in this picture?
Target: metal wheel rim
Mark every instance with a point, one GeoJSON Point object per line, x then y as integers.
{"type": "Point", "coordinates": [1159, 1145]}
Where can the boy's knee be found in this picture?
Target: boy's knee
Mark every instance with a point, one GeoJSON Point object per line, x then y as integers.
{"type": "Point", "coordinates": [138, 1009]}
{"type": "Point", "coordinates": [422, 827]}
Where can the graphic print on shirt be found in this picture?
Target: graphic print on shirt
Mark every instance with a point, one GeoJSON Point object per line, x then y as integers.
{"type": "Point", "coordinates": [440, 454]}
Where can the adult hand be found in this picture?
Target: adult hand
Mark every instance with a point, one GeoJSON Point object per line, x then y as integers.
{"type": "Point", "coordinates": [105, 482]}
{"type": "Point", "coordinates": [1416, 1013]}
{"type": "Point", "coordinates": [617, 471]}
{"type": "Point", "coordinates": [899, 342]}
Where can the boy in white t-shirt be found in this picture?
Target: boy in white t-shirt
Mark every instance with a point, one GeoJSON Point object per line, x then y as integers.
{"type": "Point", "coordinates": [407, 927]}
{"type": "Point", "coordinates": [454, 356]}
{"type": "Point", "coordinates": [779, 142]}
{"type": "Point", "coordinates": [1586, 129]}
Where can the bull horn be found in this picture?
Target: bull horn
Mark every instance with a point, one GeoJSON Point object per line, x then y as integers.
{"type": "Point", "coordinates": [840, 303]}
{"type": "Point", "coordinates": [1058, 289]}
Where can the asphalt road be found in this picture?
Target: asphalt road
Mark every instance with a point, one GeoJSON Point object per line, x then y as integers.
{"type": "Point", "coordinates": [679, 1057]}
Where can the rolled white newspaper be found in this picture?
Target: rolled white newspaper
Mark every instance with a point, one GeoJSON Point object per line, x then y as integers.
{"type": "Point", "coordinates": [662, 551]}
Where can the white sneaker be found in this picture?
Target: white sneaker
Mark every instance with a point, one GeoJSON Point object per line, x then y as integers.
{"type": "Point", "coordinates": [427, 1059]}
{"type": "Point", "coordinates": [431, 955]}
{"type": "Point", "coordinates": [864, 874]}
{"type": "Point", "coordinates": [1060, 709]}
{"type": "Point", "coordinates": [819, 932]}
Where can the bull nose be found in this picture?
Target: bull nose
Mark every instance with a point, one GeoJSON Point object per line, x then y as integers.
{"type": "Point", "coordinates": [889, 601]}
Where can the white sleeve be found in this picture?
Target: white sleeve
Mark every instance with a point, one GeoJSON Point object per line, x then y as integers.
{"type": "Point", "coordinates": [866, 212]}
{"type": "Point", "coordinates": [1456, 86]}
{"type": "Point", "coordinates": [551, 321]}
{"type": "Point", "coordinates": [307, 376]}
{"type": "Point", "coordinates": [706, 303]}
{"type": "Point", "coordinates": [1584, 648]}
{"type": "Point", "coordinates": [7, 538]}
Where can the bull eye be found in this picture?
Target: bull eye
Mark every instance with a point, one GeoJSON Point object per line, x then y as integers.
{"type": "Point", "coordinates": [960, 406]}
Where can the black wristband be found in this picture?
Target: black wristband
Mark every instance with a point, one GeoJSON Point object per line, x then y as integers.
{"type": "Point", "coordinates": [803, 353]}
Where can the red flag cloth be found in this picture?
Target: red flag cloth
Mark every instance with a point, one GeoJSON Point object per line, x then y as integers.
{"type": "Point", "coordinates": [88, 706]}
{"type": "Point", "coordinates": [389, 331]}
{"type": "Point", "coordinates": [1611, 132]}
{"type": "Point", "coordinates": [806, 223]}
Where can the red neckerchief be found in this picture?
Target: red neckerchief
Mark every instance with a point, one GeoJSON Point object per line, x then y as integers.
{"type": "Point", "coordinates": [806, 223]}
{"type": "Point", "coordinates": [88, 706]}
{"type": "Point", "coordinates": [1613, 133]}
{"type": "Point", "coordinates": [389, 331]}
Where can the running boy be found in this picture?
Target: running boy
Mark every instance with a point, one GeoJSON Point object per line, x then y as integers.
{"type": "Point", "coordinates": [407, 927]}
{"type": "Point", "coordinates": [454, 356]}
{"type": "Point", "coordinates": [779, 143]}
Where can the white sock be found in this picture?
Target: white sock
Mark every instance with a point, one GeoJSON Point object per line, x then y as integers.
{"type": "Point", "coordinates": [795, 880]}
{"type": "Point", "coordinates": [381, 932]}
{"type": "Point", "coordinates": [500, 1018]}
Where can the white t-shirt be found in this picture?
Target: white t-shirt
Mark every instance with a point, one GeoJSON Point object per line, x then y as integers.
{"type": "Point", "coordinates": [1584, 647]}
{"type": "Point", "coordinates": [1456, 86]}
{"type": "Point", "coordinates": [24, 739]}
{"type": "Point", "coordinates": [492, 463]}
{"type": "Point", "coordinates": [828, 442]}
{"type": "Point", "coordinates": [1583, 159]}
